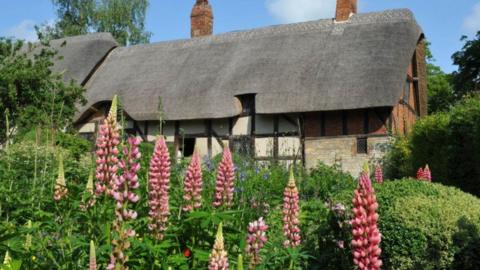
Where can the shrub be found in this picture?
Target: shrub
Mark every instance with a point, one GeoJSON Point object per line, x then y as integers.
{"type": "Point", "coordinates": [325, 181]}
{"type": "Point", "coordinates": [420, 224]}
{"type": "Point", "coordinates": [397, 162]}
{"type": "Point", "coordinates": [448, 142]}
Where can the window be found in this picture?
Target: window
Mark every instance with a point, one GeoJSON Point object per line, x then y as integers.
{"type": "Point", "coordinates": [248, 104]}
{"type": "Point", "coordinates": [362, 145]}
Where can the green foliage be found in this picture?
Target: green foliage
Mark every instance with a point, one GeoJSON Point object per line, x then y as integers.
{"type": "Point", "coordinates": [125, 20]}
{"type": "Point", "coordinates": [440, 90]}
{"type": "Point", "coordinates": [323, 182]}
{"type": "Point", "coordinates": [397, 162]}
{"type": "Point", "coordinates": [448, 142]}
{"type": "Point", "coordinates": [420, 224]}
{"type": "Point", "coordinates": [30, 93]}
{"type": "Point", "coordinates": [424, 226]}
{"type": "Point", "coordinates": [467, 79]}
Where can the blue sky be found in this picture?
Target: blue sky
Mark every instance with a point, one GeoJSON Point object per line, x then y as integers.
{"type": "Point", "coordinates": [443, 21]}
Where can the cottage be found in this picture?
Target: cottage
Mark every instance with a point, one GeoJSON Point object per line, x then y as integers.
{"type": "Point", "coordinates": [331, 90]}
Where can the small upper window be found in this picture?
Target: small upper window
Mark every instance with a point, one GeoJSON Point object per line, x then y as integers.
{"type": "Point", "coordinates": [248, 103]}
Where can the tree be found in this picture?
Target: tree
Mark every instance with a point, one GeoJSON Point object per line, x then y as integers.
{"type": "Point", "coordinates": [467, 79]}
{"type": "Point", "coordinates": [440, 91]}
{"type": "Point", "coordinates": [124, 19]}
{"type": "Point", "coordinates": [75, 17]}
{"type": "Point", "coordinates": [30, 93]}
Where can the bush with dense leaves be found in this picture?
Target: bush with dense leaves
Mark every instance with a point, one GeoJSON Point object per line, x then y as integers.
{"type": "Point", "coordinates": [448, 142]}
{"type": "Point", "coordinates": [423, 225]}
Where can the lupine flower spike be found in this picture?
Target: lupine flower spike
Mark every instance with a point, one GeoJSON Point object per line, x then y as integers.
{"type": "Point", "coordinates": [427, 175]}
{"type": "Point", "coordinates": [107, 151]}
{"type": "Point", "coordinates": [7, 259]}
{"type": "Point", "coordinates": [28, 238]}
{"type": "Point", "coordinates": [192, 186]}
{"type": "Point", "coordinates": [291, 212]}
{"type": "Point", "coordinates": [93, 257]}
{"type": "Point", "coordinates": [60, 190]}
{"type": "Point", "coordinates": [158, 186]}
{"type": "Point", "coordinates": [420, 174]}
{"type": "Point", "coordinates": [84, 205]}
{"type": "Point", "coordinates": [366, 236]}
{"type": "Point", "coordinates": [378, 174]}
{"type": "Point", "coordinates": [218, 259]}
{"type": "Point", "coordinates": [240, 262]}
{"type": "Point", "coordinates": [224, 186]}
{"type": "Point", "coordinates": [256, 239]}
{"type": "Point", "coordinates": [122, 192]}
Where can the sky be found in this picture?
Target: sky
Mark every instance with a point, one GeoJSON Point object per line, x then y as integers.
{"type": "Point", "coordinates": [443, 21]}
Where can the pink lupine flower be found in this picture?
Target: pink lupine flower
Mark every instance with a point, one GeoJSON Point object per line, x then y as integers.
{"type": "Point", "coordinates": [192, 186]}
{"type": "Point", "coordinates": [224, 186]}
{"type": "Point", "coordinates": [291, 212]}
{"type": "Point", "coordinates": [85, 204]}
{"type": "Point", "coordinates": [378, 174]}
{"type": "Point", "coordinates": [427, 175]}
{"type": "Point", "coordinates": [107, 151]}
{"type": "Point", "coordinates": [60, 189]}
{"type": "Point", "coordinates": [158, 186]}
{"type": "Point", "coordinates": [256, 239]}
{"type": "Point", "coordinates": [92, 257]}
{"type": "Point", "coordinates": [366, 236]}
{"type": "Point", "coordinates": [122, 192]}
{"type": "Point", "coordinates": [420, 174]}
{"type": "Point", "coordinates": [218, 259]}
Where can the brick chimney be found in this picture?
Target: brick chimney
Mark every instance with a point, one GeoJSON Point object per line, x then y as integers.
{"type": "Point", "coordinates": [345, 8]}
{"type": "Point", "coordinates": [201, 19]}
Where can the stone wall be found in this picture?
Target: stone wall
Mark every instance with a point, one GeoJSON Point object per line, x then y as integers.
{"type": "Point", "coordinates": [343, 151]}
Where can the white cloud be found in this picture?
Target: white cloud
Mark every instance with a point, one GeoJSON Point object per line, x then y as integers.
{"type": "Point", "coordinates": [472, 22]}
{"type": "Point", "coordinates": [289, 11]}
{"type": "Point", "coordinates": [24, 30]}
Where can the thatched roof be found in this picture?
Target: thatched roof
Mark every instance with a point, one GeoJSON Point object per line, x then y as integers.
{"type": "Point", "coordinates": [81, 54]}
{"type": "Point", "coordinates": [313, 66]}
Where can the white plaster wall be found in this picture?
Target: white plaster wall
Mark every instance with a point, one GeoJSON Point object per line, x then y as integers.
{"type": "Point", "coordinates": [216, 147]}
{"type": "Point", "coordinates": [201, 146]}
{"type": "Point", "coordinates": [263, 147]}
{"type": "Point", "coordinates": [242, 126]}
{"type": "Point", "coordinates": [289, 146]}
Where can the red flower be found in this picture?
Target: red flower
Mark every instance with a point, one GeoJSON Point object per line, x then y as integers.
{"type": "Point", "coordinates": [187, 253]}
{"type": "Point", "coordinates": [420, 174]}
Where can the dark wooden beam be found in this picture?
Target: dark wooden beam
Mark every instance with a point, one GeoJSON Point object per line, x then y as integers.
{"type": "Point", "coordinates": [344, 123]}
{"type": "Point", "coordinates": [275, 136]}
{"type": "Point", "coordinates": [219, 138]}
{"type": "Point", "coordinates": [177, 139]}
{"type": "Point", "coordinates": [301, 130]}
{"type": "Point", "coordinates": [208, 125]}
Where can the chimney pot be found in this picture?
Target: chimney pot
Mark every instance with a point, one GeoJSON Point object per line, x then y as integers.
{"type": "Point", "coordinates": [201, 19]}
{"type": "Point", "coordinates": [345, 8]}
